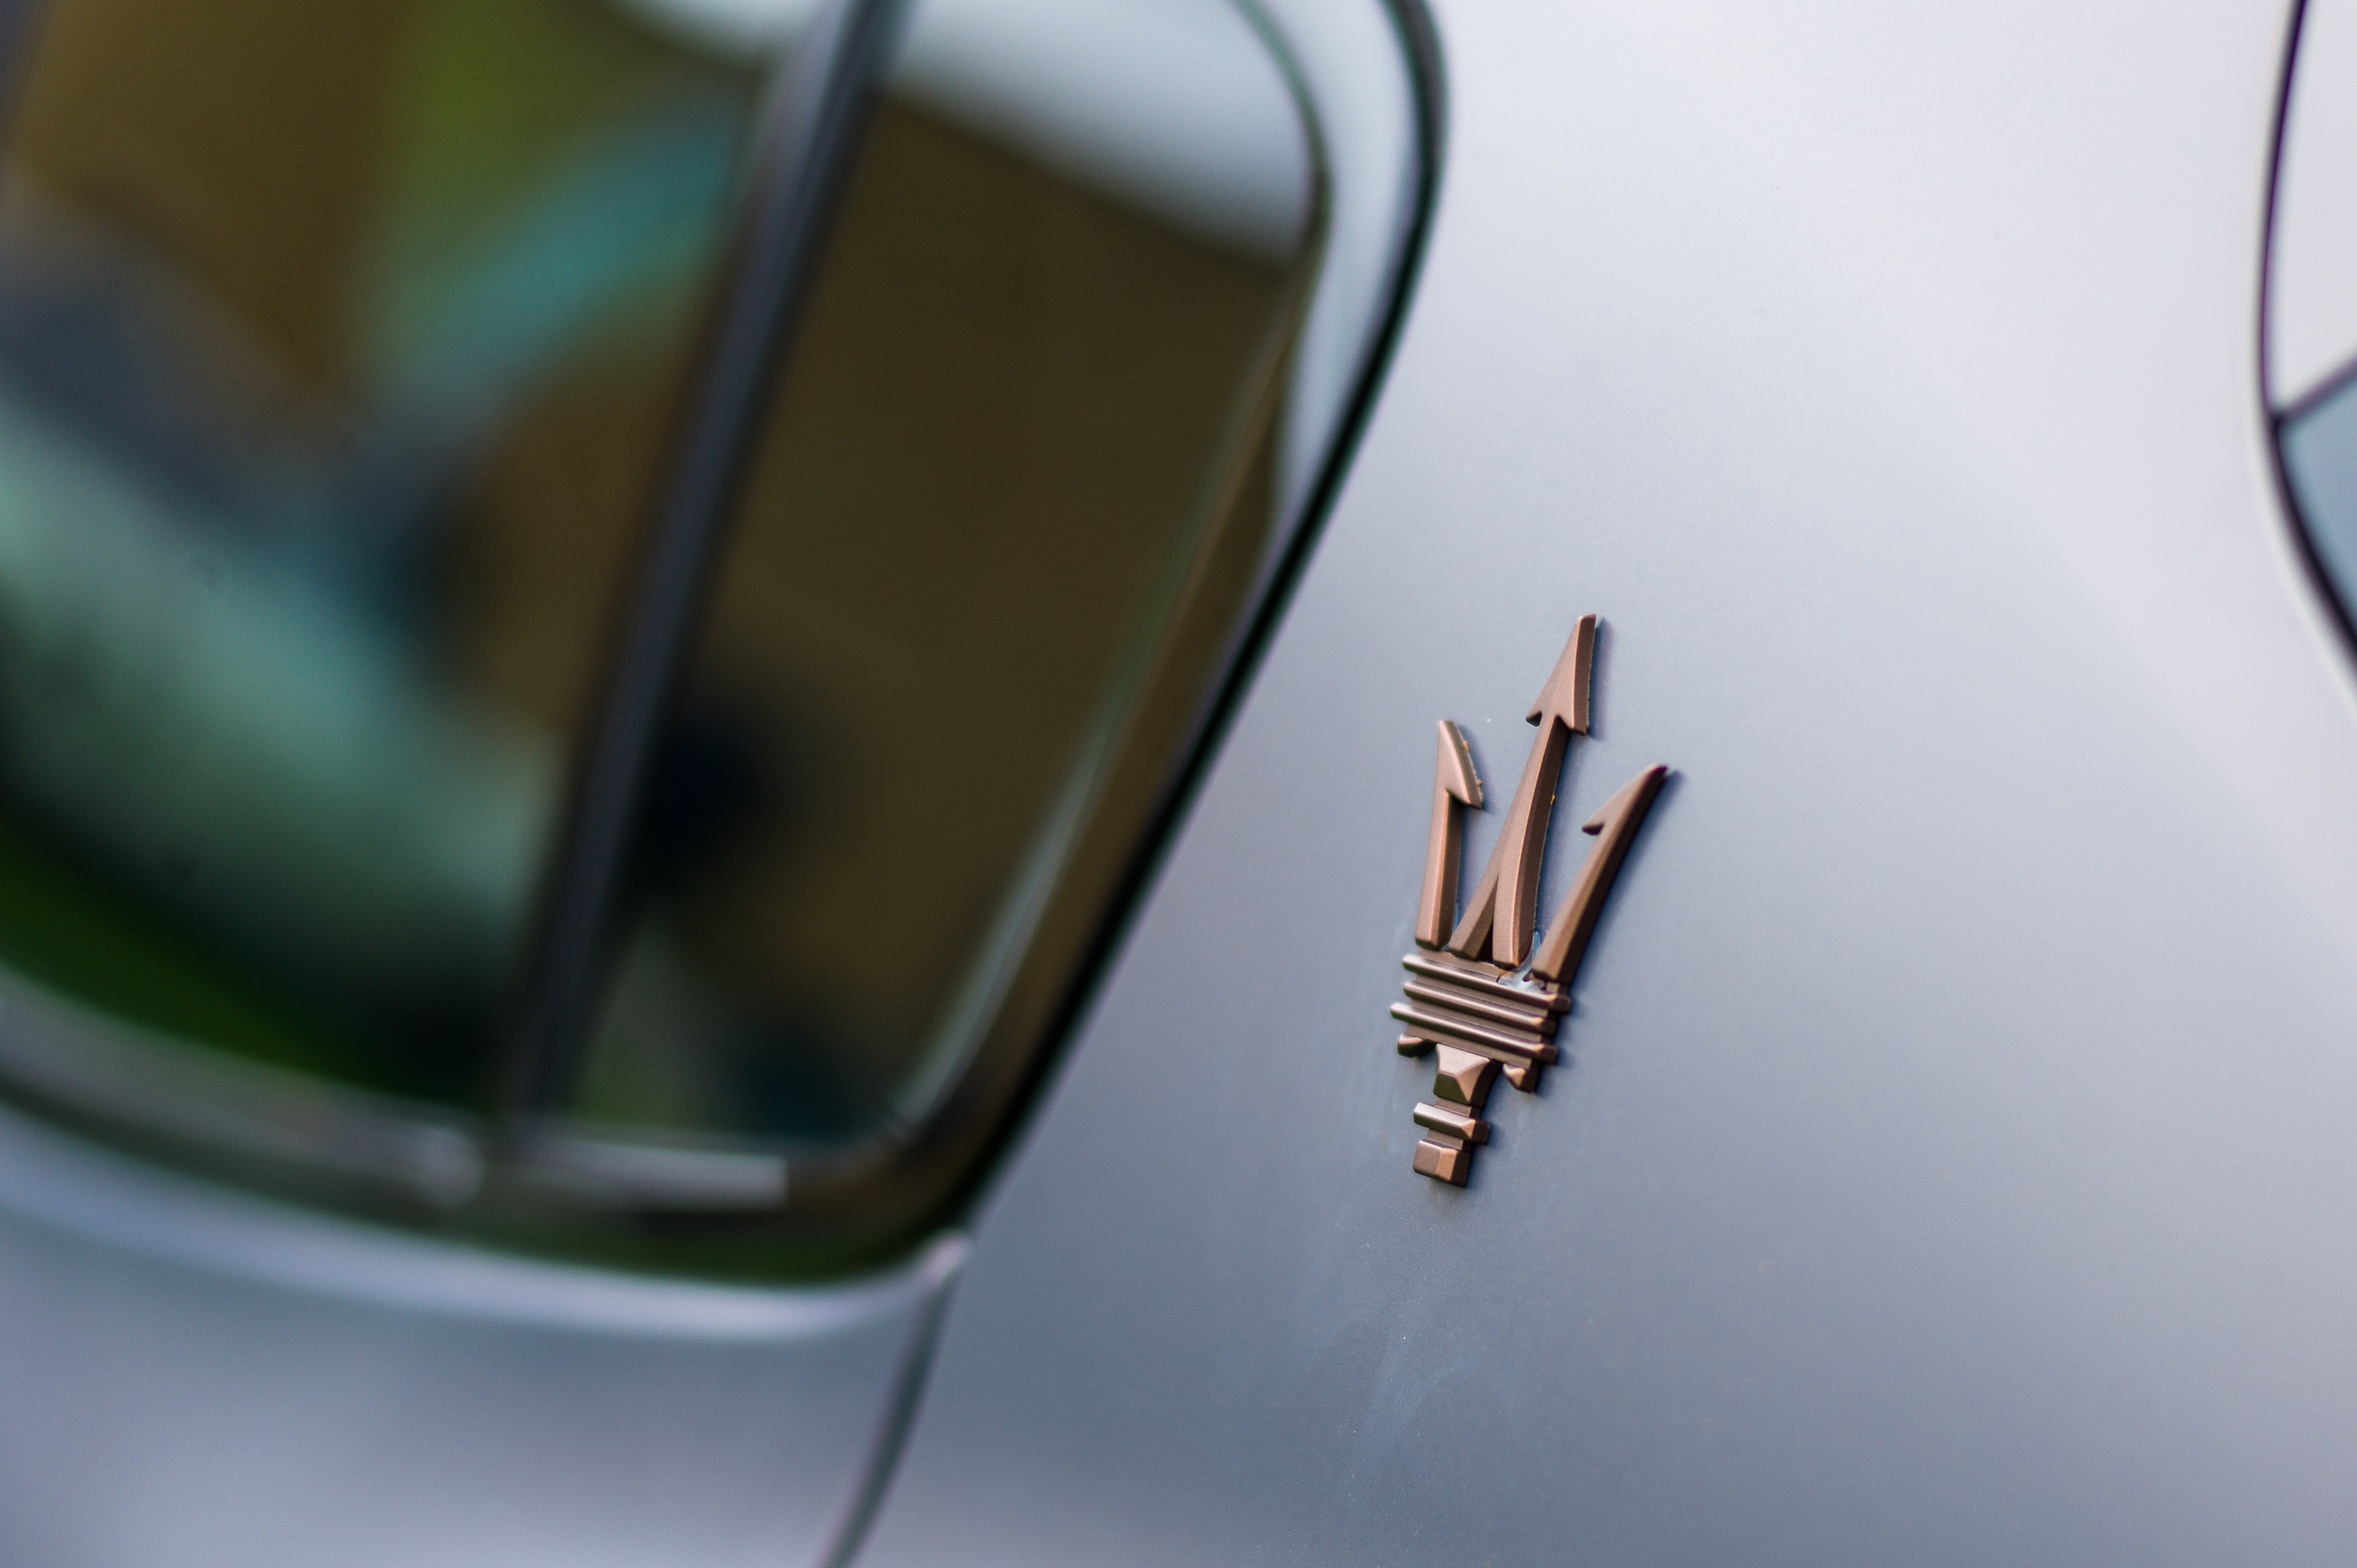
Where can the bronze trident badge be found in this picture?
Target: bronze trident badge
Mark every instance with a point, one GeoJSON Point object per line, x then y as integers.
{"type": "Point", "coordinates": [1469, 993]}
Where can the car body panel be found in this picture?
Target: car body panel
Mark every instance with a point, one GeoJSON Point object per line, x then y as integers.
{"type": "Point", "coordinates": [195, 1377]}
{"type": "Point", "coordinates": [1950, 1161]}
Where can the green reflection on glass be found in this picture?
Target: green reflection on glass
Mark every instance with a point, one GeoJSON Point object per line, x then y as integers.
{"type": "Point", "coordinates": [337, 350]}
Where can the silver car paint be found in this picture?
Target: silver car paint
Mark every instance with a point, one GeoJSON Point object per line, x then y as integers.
{"type": "Point", "coordinates": [193, 1379]}
{"type": "Point", "coordinates": [1953, 1161]}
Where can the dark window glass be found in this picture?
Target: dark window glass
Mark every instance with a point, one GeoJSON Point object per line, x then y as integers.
{"type": "Point", "coordinates": [1018, 440]}
{"type": "Point", "coordinates": [336, 343]}
{"type": "Point", "coordinates": [345, 350]}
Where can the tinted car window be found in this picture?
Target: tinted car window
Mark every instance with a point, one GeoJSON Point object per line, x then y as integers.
{"type": "Point", "coordinates": [344, 356]}
{"type": "Point", "coordinates": [336, 349]}
{"type": "Point", "coordinates": [1029, 404]}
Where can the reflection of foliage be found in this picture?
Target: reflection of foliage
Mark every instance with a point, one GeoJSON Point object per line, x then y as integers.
{"type": "Point", "coordinates": [553, 178]}
{"type": "Point", "coordinates": [160, 688]}
{"type": "Point", "coordinates": [62, 928]}
{"type": "Point", "coordinates": [220, 644]}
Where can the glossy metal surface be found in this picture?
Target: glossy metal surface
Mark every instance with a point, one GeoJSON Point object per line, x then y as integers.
{"type": "Point", "coordinates": [1464, 1076]}
{"type": "Point", "coordinates": [1615, 826]}
{"type": "Point", "coordinates": [1456, 790]}
{"type": "Point", "coordinates": [1482, 1028]}
{"type": "Point", "coordinates": [1952, 1165]}
{"type": "Point", "coordinates": [1475, 1006]}
{"type": "Point", "coordinates": [1496, 925]}
{"type": "Point", "coordinates": [1507, 1043]}
{"type": "Point", "coordinates": [1535, 1014]}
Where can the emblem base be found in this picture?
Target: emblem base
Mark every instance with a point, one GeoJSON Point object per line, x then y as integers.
{"type": "Point", "coordinates": [1443, 1162]}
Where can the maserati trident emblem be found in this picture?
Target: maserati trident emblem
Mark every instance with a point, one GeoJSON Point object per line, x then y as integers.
{"type": "Point", "coordinates": [1476, 990]}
